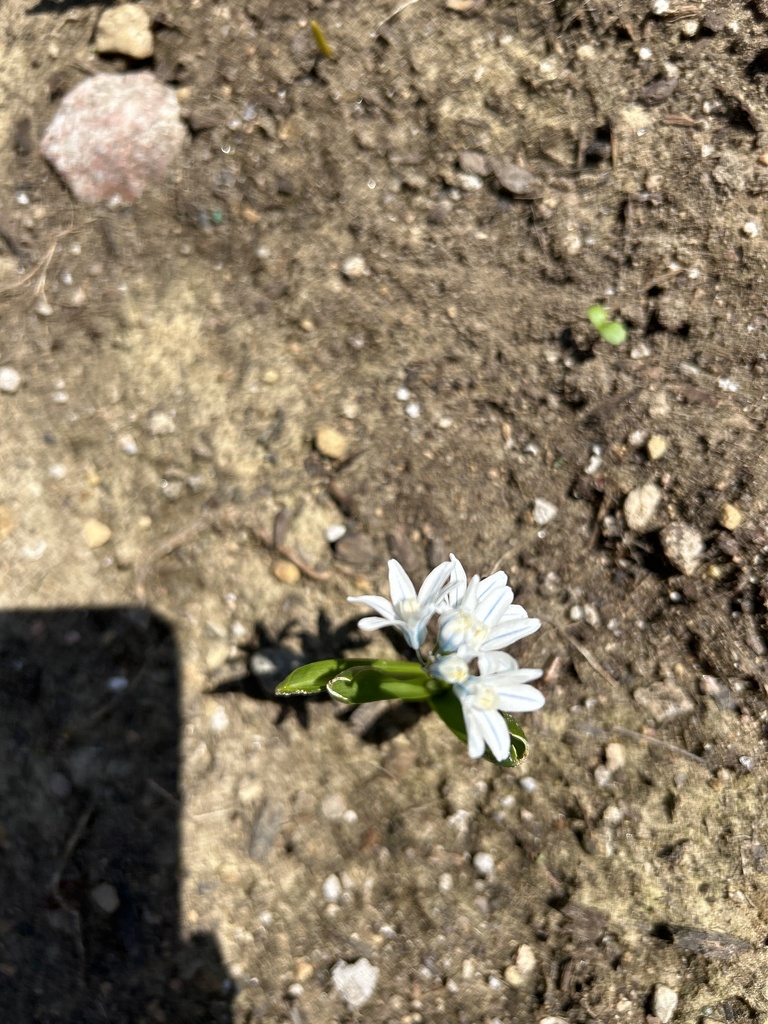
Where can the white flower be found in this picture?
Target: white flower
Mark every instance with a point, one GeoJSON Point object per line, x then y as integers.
{"type": "Point", "coordinates": [451, 668]}
{"type": "Point", "coordinates": [484, 697]}
{"type": "Point", "coordinates": [407, 611]}
{"type": "Point", "coordinates": [480, 616]}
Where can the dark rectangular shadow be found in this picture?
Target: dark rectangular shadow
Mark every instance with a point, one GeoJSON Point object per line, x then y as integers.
{"type": "Point", "coordinates": [89, 831]}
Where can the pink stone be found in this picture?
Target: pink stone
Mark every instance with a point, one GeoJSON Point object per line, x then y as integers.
{"type": "Point", "coordinates": [114, 135]}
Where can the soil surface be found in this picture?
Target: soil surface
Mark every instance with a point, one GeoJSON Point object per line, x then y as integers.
{"type": "Point", "coordinates": [359, 301]}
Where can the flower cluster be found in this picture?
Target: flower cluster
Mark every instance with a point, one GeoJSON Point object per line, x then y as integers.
{"type": "Point", "coordinates": [476, 621]}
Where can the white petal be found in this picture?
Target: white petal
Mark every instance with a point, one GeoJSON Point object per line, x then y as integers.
{"type": "Point", "coordinates": [493, 607]}
{"type": "Point", "coordinates": [520, 698]}
{"type": "Point", "coordinates": [497, 581]}
{"type": "Point", "coordinates": [495, 733]}
{"type": "Point", "coordinates": [496, 661]}
{"type": "Point", "coordinates": [475, 741]}
{"type": "Point", "coordinates": [400, 586]}
{"type": "Point", "coordinates": [509, 632]}
{"type": "Point", "coordinates": [374, 622]}
{"type": "Point", "coordinates": [379, 604]}
{"type": "Point", "coordinates": [430, 588]}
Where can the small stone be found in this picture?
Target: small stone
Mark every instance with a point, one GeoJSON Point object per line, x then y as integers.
{"type": "Point", "coordinates": [355, 549]}
{"type": "Point", "coordinates": [484, 864]}
{"type": "Point", "coordinates": [286, 572]}
{"type": "Point", "coordinates": [332, 443]}
{"type": "Point", "coordinates": [615, 757]}
{"type": "Point", "coordinates": [356, 982]}
{"type": "Point", "coordinates": [543, 511]}
{"type": "Point", "coordinates": [663, 701]}
{"type": "Point", "coordinates": [515, 179]}
{"type": "Point", "coordinates": [730, 517]}
{"type": "Point", "coordinates": [354, 268]}
{"type": "Point", "coordinates": [216, 656]}
{"type": "Point", "coordinates": [95, 534]}
{"type": "Point", "coordinates": [304, 971]}
{"type": "Point", "coordinates": [683, 545]}
{"type": "Point", "coordinates": [664, 1003]}
{"type": "Point", "coordinates": [657, 447]}
{"type": "Point", "coordinates": [750, 229]}
{"type": "Point", "coordinates": [332, 889]}
{"type": "Point", "coordinates": [127, 444]}
{"type": "Point", "coordinates": [641, 505]}
{"type": "Point", "coordinates": [104, 896]}
{"type": "Point", "coordinates": [525, 960]}
{"type": "Point", "coordinates": [125, 29]}
{"type": "Point", "coordinates": [161, 423]}
{"type": "Point", "coordinates": [10, 380]}
{"type": "Point", "coordinates": [113, 135]}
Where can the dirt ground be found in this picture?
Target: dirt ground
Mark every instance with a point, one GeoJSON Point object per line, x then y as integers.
{"type": "Point", "coordinates": [401, 244]}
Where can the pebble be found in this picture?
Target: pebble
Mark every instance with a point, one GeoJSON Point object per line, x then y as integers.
{"type": "Point", "coordinates": [335, 532]}
{"type": "Point", "coordinates": [95, 533]}
{"type": "Point", "coordinates": [356, 982]}
{"type": "Point", "coordinates": [105, 897]}
{"type": "Point", "coordinates": [125, 29]}
{"type": "Point", "coordinates": [127, 444]}
{"type": "Point", "coordinates": [161, 423]}
{"type": "Point", "coordinates": [528, 784]}
{"type": "Point", "coordinates": [113, 135]}
{"type": "Point", "coordinates": [656, 447]}
{"type": "Point", "coordinates": [524, 964]}
{"type": "Point", "coordinates": [332, 443]}
{"type": "Point", "coordinates": [354, 268]}
{"type": "Point", "coordinates": [730, 516]}
{"type": "Point", "coordinates": [641, 506]}
{"type": "Point", "coordinates": [683, 545]}
{"type": "Point", "coordinates": [10, 380]}
{"type": "Point", "coordinates": [484, 864]}
{"type": "Point", "coordinates": [332, 889]}
{"type": "Point", "coordinates": [664, 1003]}
{"type": "Point", "coordinates": [543, 511]}
{"type": "Point", "coordinates": [663, 701]}
{"type": "Point", "coordinates": [216, 656]}
{"type": "Point", "coordinates": [286, 572]}
{"type": "Point", "coordinates": [615, 757]}
{"type": "Point", "coordinates": [333, 806]}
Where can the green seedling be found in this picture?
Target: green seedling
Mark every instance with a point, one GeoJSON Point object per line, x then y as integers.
{"type": "Point", "coordinates": [612, 331]}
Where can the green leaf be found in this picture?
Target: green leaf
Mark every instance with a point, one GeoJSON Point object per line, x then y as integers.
{"type": "Point", "coordinates": [310, 678]}
{"type": "Point", "coordinates": [614, 333]}
{"type": "Point", "coordinates": [383, 680]}
{"type": "Point", "coordinates": [597, 316]}
{"type": "Point", "coordinates": [315, 677]}
{"type": "Point", "coordinates": [447, 705]}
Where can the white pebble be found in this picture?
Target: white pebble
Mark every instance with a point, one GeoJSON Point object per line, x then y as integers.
{"type": "Point", "coordinates": [356, 982]}
{"type": "Point", "coordinates": [750, 229]}
{"type": "Point", "coordinates": [413, 409]}
{"type": "Point", "coordinates": [644, 53]}
{"type": "Point", "coordinates": [660, 7]}
{"type": "Point", "coordinates": [43, 307]}
{"type": "Point", "coordinates": [161, 423]}
{"type": "Point", "coordinates": [402, 394]}
{"type": "Point", "coordinates": [529, 784]}
{"type": "Point", "coordinates": [543, 511]}
{"type": "Point", "coordinates": [332, 889]}
{"type": "Point", "coordinates": [333, 806]}
{"type": "Point", "coordinates": [355, 267]}
{"type": "Point", "coordinates": [664, 1003]}
{"type": "Point", "coordinates": [10, 380]}
{"type": "Point", "coordinates": [127, 444]}
{"type": "Point", "coordinates": [445, 882]}
{"type": "Point", "coordinates": [335, 532]}
{"type": "Point", "coordinates": [57, 471]}
{"type": "Point", "coordinates": [484, 864]}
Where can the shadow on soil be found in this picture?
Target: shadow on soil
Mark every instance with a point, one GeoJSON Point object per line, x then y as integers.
{"type": "Point", "coordinates": [89, 832]}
